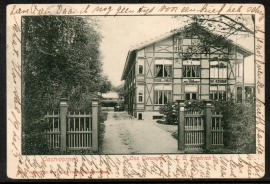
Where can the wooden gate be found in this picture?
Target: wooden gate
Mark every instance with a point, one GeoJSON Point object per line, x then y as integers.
{"type": "Point", "coordinates": [216, 129]}
{"type": "Point", "coordinates": [73, 131]}
{"type": "Point", "coordinates": [199, 130]}
{"type": "Point", "coordinates": [194, 130]}
{"type": "Point", "coordinates": [79, 131]}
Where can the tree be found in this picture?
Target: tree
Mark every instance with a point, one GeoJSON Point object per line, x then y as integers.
{"type": "Point", "coordinates": [120, 91]}
{"type": "Point", "coordinates": [226, 25]}
{"type": "Point", "coordinates": [61, 58]}
{"type": "Point", "coordinates": [216, 31]}
{"type": "Point", "coordinates": [170, 111]}
{"type": "Point", "coordinates": [105, 84]}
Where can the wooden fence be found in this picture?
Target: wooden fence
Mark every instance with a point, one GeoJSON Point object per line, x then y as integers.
{"type": "Point", "coordinates": [52, 133]}
{"type": "Point", "coordinates": [199, 130]}
{"type": "Point", "coordinates": [73, 131]}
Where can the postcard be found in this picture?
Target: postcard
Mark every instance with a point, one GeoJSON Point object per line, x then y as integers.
{"type": "Point", "coordinates": [141, 91]}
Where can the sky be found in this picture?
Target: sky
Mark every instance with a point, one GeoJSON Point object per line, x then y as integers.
{"type": "Point", "coordinates": [122, 32]}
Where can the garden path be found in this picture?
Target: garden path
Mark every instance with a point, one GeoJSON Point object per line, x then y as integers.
{"type": "Point", "coordinates": [125, 135]}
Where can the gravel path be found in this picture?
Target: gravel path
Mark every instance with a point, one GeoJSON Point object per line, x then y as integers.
{"type": "Point", "coordinates": [124, 135]}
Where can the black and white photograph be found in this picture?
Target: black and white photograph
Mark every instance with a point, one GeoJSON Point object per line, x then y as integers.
{"type": "Point", "coordinates": [156, 87]}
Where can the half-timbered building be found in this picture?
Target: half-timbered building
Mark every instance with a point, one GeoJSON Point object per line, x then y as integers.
{"type": "Point", "coordinates": [182, 65]}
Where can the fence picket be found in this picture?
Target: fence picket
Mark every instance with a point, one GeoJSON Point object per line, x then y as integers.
{"type": "Point", "coordinates": [74, 131]}
{"type": "Point", "coordinates": [87, 138]}
{"type": "Point", "coordinates": [74, 144]}
{"type": "Point", "coordinates": [79, 121]}
{"type": "Point", "coordinates": [222, 135]}
{"type": "Point", "coordinates": [84, 120]}
{"type": "Point", "coordinates": [53, 123]}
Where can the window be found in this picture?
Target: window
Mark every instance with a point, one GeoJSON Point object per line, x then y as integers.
{"type": "Point", "coordinates": [218, 69]}
{"type": "Point", "coordinates": [140, 92]}
{"type": "Point", "coordinates": [191, 71]}
{"type": "Point", "coordinates": [163, 68]}
{"type": "Point", "coordinates": [218, 93]}
{"type": "Point", "coordinates": [140, 96]}
{"type": "Point", "coordinates": [191, 92]}
{"type": "Point", "coordinates": [190, 96]}
{"type": "Point", "coordinates": [191, 68]}
{"type": "Point", "coordinates": [140, 69]}
{"type": "Point", "coordinates": [162, 97]}
{"type": "Point", "coordinates": [140, 66]}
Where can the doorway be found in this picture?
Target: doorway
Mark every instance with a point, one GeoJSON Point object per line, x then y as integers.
{"type": "Point", "coordinates": [140, 116]}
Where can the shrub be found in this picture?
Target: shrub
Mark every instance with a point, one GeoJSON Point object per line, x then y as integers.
{"type": "Point", "coordinates": [194, 106]}
{"type": "Point", "coordinates": [170, 110]}
{"type": "Point", "coordinates": [103, 116]}
{"type": "Point", "coordinates": [34, 139]}
{"type": "Point", "coordinates": [239, 125]}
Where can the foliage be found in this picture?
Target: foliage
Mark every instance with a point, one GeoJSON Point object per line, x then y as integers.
{"type": "Point", "coordinates": [204, 41]}
{"type": "Point", "coordinates": [215, 31]}
{"type": "Point", "coordinates": [34, 143]}
{"type": "Point", "coordinates": [120, 91]}
{"type": "Point", "coordinates": [194, 106]}
{"type": "Point", "coordinates": [239, 125]}
{"type": "Point", "coordinates": [170, 110]}
{"type": "Point", "coordinates": [103, 116]}
{"type": "Point", "coordinates": [226, 25]}
{"type": "Point", "coordinates": [61, 58]}
{"type": "Point", "coordinates": [105, 84]}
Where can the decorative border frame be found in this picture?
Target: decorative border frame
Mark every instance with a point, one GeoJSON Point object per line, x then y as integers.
{"type": "Point", "coordinates": [122, 166]}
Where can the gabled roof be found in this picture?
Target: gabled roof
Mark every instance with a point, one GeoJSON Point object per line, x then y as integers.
{"type": "Point", "coordinates": [132, 52]}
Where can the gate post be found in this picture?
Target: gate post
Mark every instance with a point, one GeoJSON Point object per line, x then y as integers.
{"type": "Point", "coordinates": [181, 125]}
{"type": "Point", "coordinates": [208, 123]}
{"type": "Point", "coordinates": [95, 127]}
{"type": "Point", "coordinates": [63, 118]}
